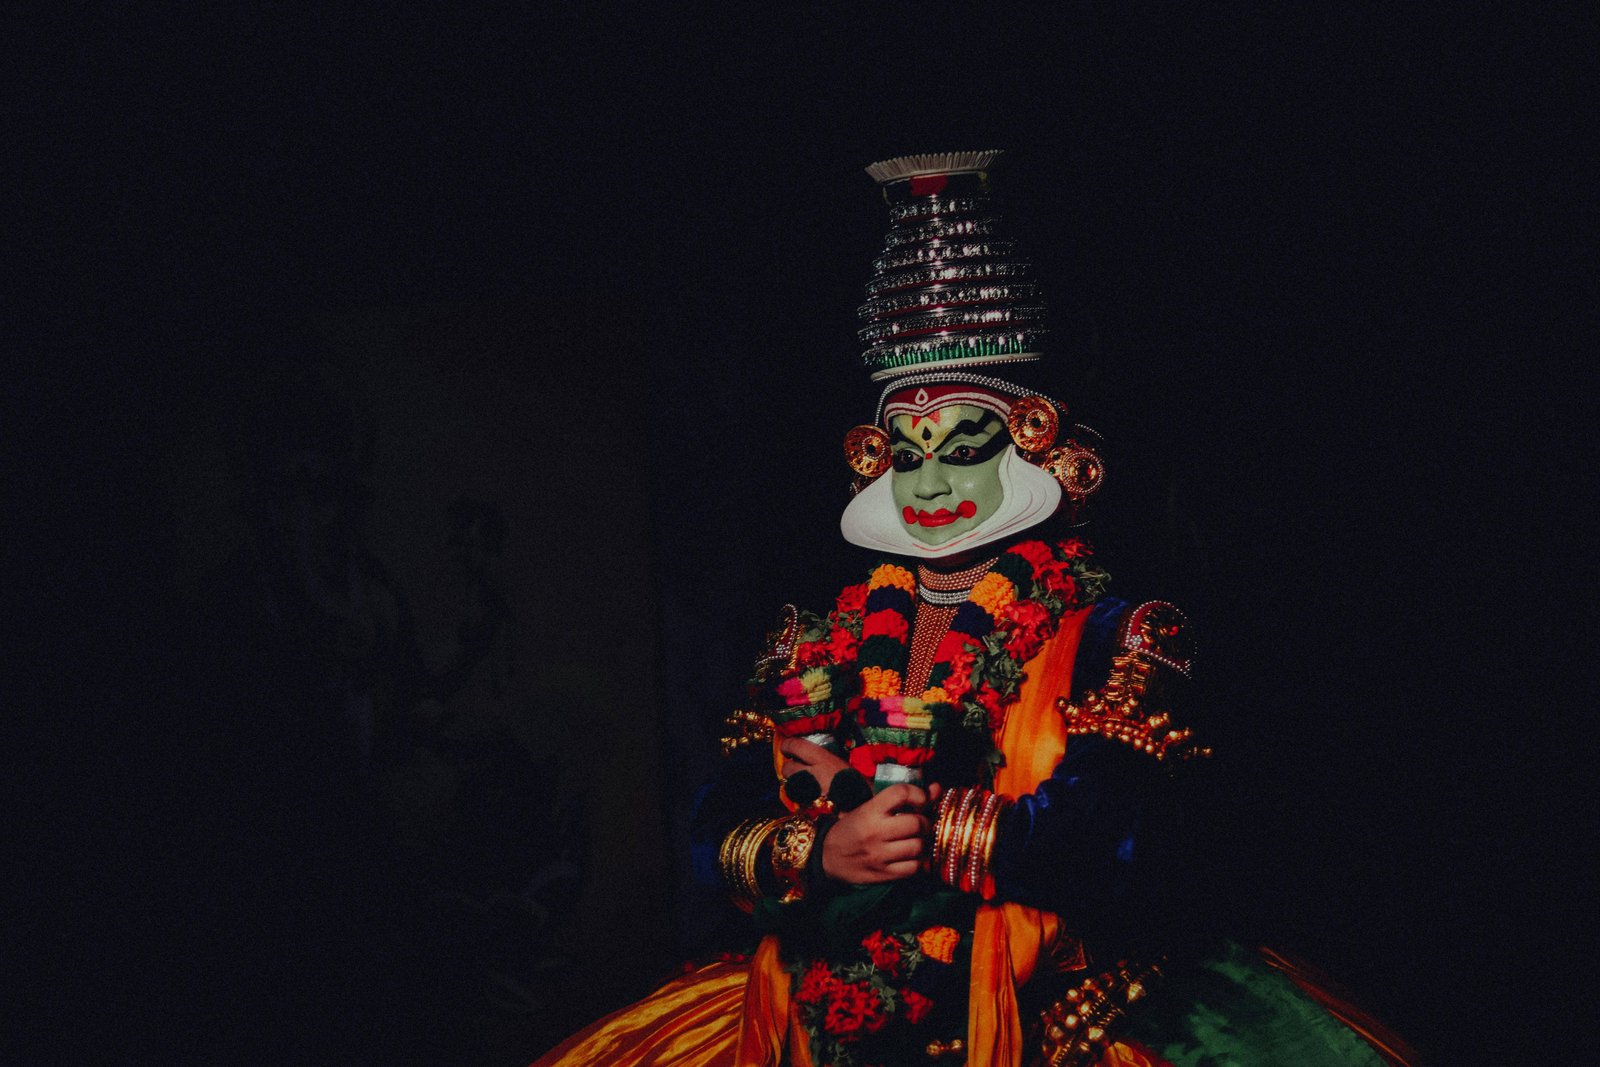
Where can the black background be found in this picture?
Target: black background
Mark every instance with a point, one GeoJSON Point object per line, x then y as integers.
{"type": "Point", "coordinates": [1311, 275]}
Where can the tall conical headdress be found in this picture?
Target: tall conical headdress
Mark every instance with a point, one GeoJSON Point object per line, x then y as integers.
{"type": "Point", "coordinates": [949, 289]}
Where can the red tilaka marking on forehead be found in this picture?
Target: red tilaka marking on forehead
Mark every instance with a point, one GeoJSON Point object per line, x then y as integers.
{"type": "Point", "coordinates": [932, 416]}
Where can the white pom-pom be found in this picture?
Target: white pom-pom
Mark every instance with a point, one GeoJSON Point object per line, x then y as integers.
{"type": "Point", "coordinates": [901, 167]}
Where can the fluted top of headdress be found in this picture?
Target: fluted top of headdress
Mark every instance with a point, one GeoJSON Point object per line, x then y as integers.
{"type": "Point", "coordinates": [893, 170]}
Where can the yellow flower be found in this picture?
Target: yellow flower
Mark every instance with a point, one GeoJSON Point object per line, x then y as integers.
{"type": "Point", "coordinates": [939, 943]}
{"type": "Point", "coordinates": [887, 574]}
{"type": "Point", "coordinates": [879, 682]}
{"type": "Point", "coordinates": [993, 592]}
{"type": "Point", "coordinates": [936, 695]}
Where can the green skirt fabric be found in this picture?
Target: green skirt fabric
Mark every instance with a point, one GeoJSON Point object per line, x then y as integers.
{"type": "Point", "coordinates": [1232, 1008]}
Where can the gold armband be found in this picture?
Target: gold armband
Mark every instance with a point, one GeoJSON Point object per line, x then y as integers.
{"type": "Point", "coordinates": [791, 851]}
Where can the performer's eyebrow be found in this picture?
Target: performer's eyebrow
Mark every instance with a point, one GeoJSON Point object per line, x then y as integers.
{"type": "Point", "coordinates": [971, 427]}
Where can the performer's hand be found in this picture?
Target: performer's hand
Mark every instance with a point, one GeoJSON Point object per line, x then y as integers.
{"type": "Point", "coordinates": [881, 841]}
{"type": "Point", "coordinates": [809, 756]}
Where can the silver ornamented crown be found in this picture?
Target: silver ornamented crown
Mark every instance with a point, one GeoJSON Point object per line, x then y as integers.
{"type": "Point", "coordinates": [948, 290]}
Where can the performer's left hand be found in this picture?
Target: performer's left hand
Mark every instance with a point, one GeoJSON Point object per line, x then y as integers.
{"type": "Point", "coordinates": [884, 840]}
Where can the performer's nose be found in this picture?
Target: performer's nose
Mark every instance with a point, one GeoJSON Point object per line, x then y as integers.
{"type": "Point", "coordinates": [931, 481]}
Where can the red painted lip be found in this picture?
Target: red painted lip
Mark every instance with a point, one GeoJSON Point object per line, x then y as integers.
{"type": "Point", "coordinates": [943, 517]}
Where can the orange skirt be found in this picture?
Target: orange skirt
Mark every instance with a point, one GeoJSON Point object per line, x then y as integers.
{"type": "Point", "coordinates": [692, 1021]}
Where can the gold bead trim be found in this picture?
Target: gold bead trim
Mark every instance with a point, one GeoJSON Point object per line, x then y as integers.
{"type": "Point", "coordinates": [1114, 712]}
{"type": "Point", "coordinates": [1075, 1030]}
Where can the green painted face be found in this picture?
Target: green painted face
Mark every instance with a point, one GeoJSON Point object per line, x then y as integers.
{"type": "Point", "coordinates": [947, 470]}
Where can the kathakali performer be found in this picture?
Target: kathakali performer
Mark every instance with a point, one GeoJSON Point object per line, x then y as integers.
{"type": "Point", "coordinates": [946, 805]}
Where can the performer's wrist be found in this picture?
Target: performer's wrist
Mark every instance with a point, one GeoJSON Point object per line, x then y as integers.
{"type": "Point", "coordinates": [816, 874]}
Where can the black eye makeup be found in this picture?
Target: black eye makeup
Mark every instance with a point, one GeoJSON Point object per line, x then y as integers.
{"type": "Point", "coordinates": [908, 455]}
{"type": "Point", "coordinates": [969, 455]}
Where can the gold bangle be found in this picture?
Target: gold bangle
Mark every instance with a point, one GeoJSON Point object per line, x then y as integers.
{"type": "Point", "coordinates": [986, 881]}
{"type": "Point", "coordinates": [973, 860]}
{"type": "Point", "coordinates": [732, 845]}
{"type": "Point", "coordinates": [737, 859]}
{"type": "Point", "coordinates": [747, 857]}
{"type": "Point", "coordinates": [752, 856]}
{"type": "Point", "coordinates": [964, 835]}
{"type": "Point", "coordinates": [943, 826]}
{"type": "Point", "coordinates": [985, 848]}
{"type": "Point", "coordinates": [962, 839]}
{"type": "Point", "coordinates": [792, 843]}
{"type": "Point", "coordinates": [728, 861]}
{"type": "Point", "coordinates": [761, 839]}
{"type": "Point", "coordinates": [964, 862]}
{"type": "Point", "coordinates": [944, 832]}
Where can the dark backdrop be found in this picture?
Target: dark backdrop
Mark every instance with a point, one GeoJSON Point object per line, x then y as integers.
{"type": "Point", "coordinates": [418, 419]}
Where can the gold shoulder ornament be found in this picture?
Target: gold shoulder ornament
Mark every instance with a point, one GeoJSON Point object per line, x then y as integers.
{"type": "Point", "coordinates": [1153, 634]}
{"type": "Point", "coordinates": [745, 726]}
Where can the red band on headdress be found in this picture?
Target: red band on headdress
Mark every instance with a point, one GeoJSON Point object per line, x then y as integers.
{"type": "Point", "coordinates": [921, 400]}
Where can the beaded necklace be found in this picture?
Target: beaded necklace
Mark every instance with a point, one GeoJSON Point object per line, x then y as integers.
{"type": "Point", "coordinates": [939, 594]}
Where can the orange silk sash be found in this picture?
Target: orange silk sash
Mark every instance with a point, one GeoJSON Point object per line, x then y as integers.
{"type": "Point", "coordinates": [770, 1021]}
{"type": "Point", "coordinates": [1008, 939]}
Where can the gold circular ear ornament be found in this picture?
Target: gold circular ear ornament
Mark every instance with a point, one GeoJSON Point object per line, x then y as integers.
{"type": "Point", "coordinates": [866, 449]}
{"type": "Point", "coordinates": [1079, 470]}
{"type": "Point", "coordinates": [1034, 424]}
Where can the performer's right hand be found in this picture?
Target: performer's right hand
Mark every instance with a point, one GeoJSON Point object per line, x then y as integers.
{"type": "Point", "coordinates": [881, 841]}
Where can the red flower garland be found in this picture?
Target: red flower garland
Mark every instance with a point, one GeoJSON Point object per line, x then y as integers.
{"type": "Point", "coordinates": [1012, 612]}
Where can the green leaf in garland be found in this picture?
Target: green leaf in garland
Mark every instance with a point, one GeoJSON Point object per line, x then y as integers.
{"type": "Point", "coordinates": [1091, 580]}
{"type": "Point", "coordinates": [812, 628]}
{"type": "Point", "coordinates": [857, 972]}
